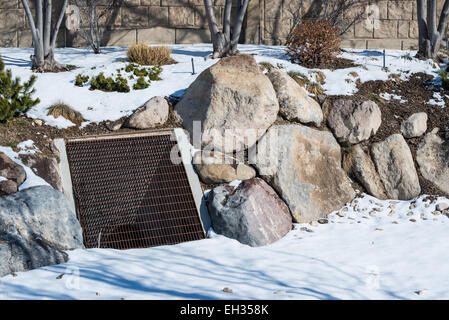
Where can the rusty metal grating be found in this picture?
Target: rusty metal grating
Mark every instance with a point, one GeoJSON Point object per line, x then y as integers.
{"type": "Point", "coordinates": [129, 194]}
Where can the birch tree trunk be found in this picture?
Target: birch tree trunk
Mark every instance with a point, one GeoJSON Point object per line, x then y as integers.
{"type": "Point", "coordinates": [44, 37]}
{"type": "Point", "coordinates": [431, 33]}
{"type": "Point", "coordinates": [225, 42]}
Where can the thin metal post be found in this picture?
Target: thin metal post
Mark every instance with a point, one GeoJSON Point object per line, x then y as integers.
{"type": "Point", "coordinates": [193, 67]}
{"type": "Point", "coordinates": [385, 65]}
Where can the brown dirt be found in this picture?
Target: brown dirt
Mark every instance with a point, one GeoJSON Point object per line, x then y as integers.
{"type": "Point", "coordinates": [23, 128]}
{"type": "Point", "coordinates": [394, 112]}
{"type": "Point", "coordinates": [338, 63]}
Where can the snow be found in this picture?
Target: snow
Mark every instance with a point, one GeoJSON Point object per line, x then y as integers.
{"type": "Point", "coordinates": [97, 106]}
{"type": "Point", "coordinates": [366, 251]}
{"type": "Point", "coordinates": [358, 256]}
{"type": "Point", "coordinates": [389, 96]}
{"type": "Point", "coordinates": [27, 147]}
{"type": "Point", "coordinates": [437, 100]}
{"type": "Point", "coordinates": [32, 179]}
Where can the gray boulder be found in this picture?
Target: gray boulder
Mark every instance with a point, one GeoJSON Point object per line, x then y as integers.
{"type": "Point", "coordinates": [219, 168]}
{"type": "Point", "coordinates": [415, 125]}
{"type": "Point", "coordinates": [11, 170]}
{"type": "Point", "coordinates": [251, 213]}
{"type": "Point", "coordinates": [233, 104]}
{"type": "Point", "coordinates": [396, 168]}
{"type": "Point", "coordinates": [44, 167]}
{"type": "Point", "coordinates": [8, 187]}
{"type": "Point", "coordinates": [432, 157]}
{"type": "Point", "coordinates": [294, 102]}
{"type": "Point", "coordinates": [36, 225]}
{"type": "Point", "coordinates": [304, 165]}
{"type": "Point", "coordinates": [353, 122]}
{"type": "Point", "coordinates": [359, 165]}
{"type": "Point", "coordinates": [152, 114]}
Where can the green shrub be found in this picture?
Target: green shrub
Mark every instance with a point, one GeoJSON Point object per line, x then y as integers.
{"type": "Point", "coordinates": [141, 84]}
{"type": "Point", "coordinates": [80, 80]}
{"type": "Point", "coordinates": [140, 72]}
{"type": "Point", "coordinates": [444, 79]}
{"type": "Point", "coordinates": [154, 73]}
{"type": "Point", "coordinates": [15, 98]}
{"type": "Point", "coordinates": [100, 82]}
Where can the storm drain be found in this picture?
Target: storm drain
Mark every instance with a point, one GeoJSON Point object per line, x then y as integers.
{"type": "Point", "coordinates": [128, 193]}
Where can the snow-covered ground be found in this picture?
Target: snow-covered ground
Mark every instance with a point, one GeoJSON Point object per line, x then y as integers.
{"type": "Point", "coordinates": [97, 106]}
{"type": "Point", "coordinates": [365, 252]}
{"type": "Point", "coordinates": [357, 256]}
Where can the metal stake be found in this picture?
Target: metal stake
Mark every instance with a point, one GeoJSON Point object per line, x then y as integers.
{"type": "Point", "coordinates": [193, 67]}
{"type": "Point", "coordinates": [384, 60]}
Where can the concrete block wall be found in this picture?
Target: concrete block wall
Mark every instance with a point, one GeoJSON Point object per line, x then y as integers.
{"type": "Point", "coordinates": [393, 24]}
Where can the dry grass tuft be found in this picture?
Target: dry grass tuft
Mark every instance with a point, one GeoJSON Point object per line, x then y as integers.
{"type": "Point", "coordinates": [61, 109]}
{"type": "Point", "coordinates": [150, 56]}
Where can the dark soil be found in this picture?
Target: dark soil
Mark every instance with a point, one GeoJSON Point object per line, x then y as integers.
{"type": "Point", "coordinates": [23, 128]}
{"type": "Point", "coordinates": [338, 63]}
{"type": "Point", "coordinates": [394, 112]}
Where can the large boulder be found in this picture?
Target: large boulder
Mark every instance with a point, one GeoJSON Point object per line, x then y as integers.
{"type": "Point", "coordinates": [36, 225]}
{"type": "Point", "coordinates": [359, 165]}
{"type": "Point", "coordinates": [415, 125]}
{"type": "Point", "coordinates": [432, 157]}
{"type": "Point", "coordinates": [304, 165]}
{"type": "Point", "coordinates": [152, 114]}
{"type": "Point", "coordinates": [219, 168]}
{"type": "Point", "coordinates": [353, 122]}
{"type": "Point", "coordinates": [396, 168]}
{"type": "Point", "coordinates": [44, 167]}
{"type": "Point", "coordinates": [294, 102]}
{"type": "Point", "coordinates": [233, 102]}
{"type": "Point", "coordinates": [11, 170]}
{"type": "Point", "coordinates": [251, 213]}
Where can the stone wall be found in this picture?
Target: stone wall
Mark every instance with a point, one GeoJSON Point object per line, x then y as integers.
{"type": "Point", "coordinates": [393, 24]}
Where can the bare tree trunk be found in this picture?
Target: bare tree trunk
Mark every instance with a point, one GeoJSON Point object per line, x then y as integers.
{"type": "Point", "coordinates": [89, 9]}
{"type": "Point", "coordinates": [225, 42]}
{"type": "Point", "coordinates": [431, 34]}
{"type": "Point", "coordinates": [44, 39]}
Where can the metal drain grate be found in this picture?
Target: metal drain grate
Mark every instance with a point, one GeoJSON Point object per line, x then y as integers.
{"type": "Point", "coordinates": [129, 194]}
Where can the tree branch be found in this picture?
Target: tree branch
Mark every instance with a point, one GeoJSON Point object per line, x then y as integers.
{"type": "Point", "coordinates": [239, 22]}
{"type": "Point", "coordinates": [47, 26]}
{"type": "Point", "coordinates": [212, 21]}
{"type": "Point", "coordinates": [29, 15]}
{"type": "Point", "coordinates": [58, 24]}
{"type": "Point", "coordinates": [227, 19]}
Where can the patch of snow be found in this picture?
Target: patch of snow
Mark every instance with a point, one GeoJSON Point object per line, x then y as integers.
{"type": "Point", "coordinates": [357, 255]}
{"type": "Point", "coordinates": [437, 100]}
{"type": "Point", "coordinates": [389, 96]}
{"type": "Point", "coordinates": [27, 147]}
{"type": "Point", "coordinates": [97, 106]}
{"type": "Point", "coordinates": [235, 183]}
{"type": "Point", "coordinates": [32, 179]}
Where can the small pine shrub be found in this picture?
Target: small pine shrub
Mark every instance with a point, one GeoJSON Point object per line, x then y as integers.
{"type": "Point", "coordinates": [80, 80]}
{"type": "Point", "coordinates": [100, 82]}
{"type": "Point", "coordinates": [141, 84]}
{"type": "Point", "coordinates": [444, 79]}
{"type": "Point", "coordinates": [61, 109]}
{"type": "Point", "coordinates": [15, 98]}
{"type": "Point", "coordinates": [154, 73]}
{"type": "Point", "coordinates": [150, 56]}
{"type": "Point", "coordinates": [140, 72]}
{"type": "Point", "coordinates": [314, 43]}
